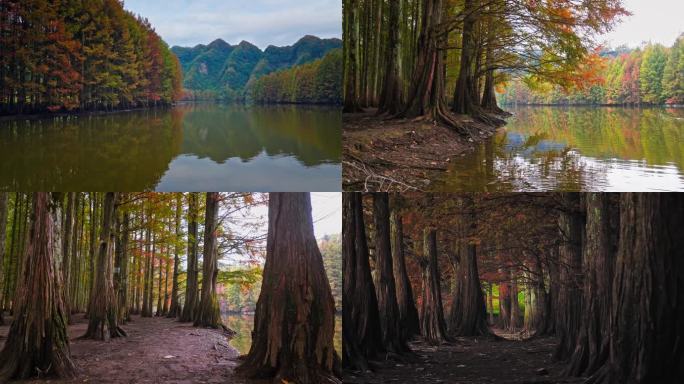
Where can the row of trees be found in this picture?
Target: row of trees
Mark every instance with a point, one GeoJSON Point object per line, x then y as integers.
{"type": "Point", "coordinates": [405, 57]}
{"type": "Point", "coordinates": [318, 82]}
{"type": "Point", "coordinates": [113, 254]}
{"type": "Point", "coordinates": [60, 55]}
{"type": "Point", "coordinates": [597, 271]}
{"type": "Point", "coordinates": [652, 75]}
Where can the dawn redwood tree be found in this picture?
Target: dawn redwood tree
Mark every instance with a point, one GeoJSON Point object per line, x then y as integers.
{"type": "Point", "coordinates": [569, 310]}
{"type": "Point", "coordinates": [390, 333]}
{"type": "Point", "coordinates": [409, 322]}
{"type": "Point", "coordinates": [515, 304]}
{"type": "Point", "coordinates": [208, 311]}
{"type": "Point", "coordinates": [104, 319]}
{"type": "Point", "coordinates": [292, 340]}
{"type": "Point", "coordinates": [432, 324]}
{"type": "Point", "coordinates": [598, 262]}
{"type": "Point", "coordinates": [121, 266]}
{"type": "Point", "coordinates": [504, 299]}
{"type": "Point", "coordinates": [37, 343]}
{"type": "Point", "coordinates": [647, 311]}
{"type": "Point", "coordinates": [391, 94]}
{"type": "Point", "coordinates": [4, 198]}
{"type": "Point", "coordinates": [468, 315]}
{"type": "Point", "coordinates": [190, 305]}
{"type": "Point", "coordinates": [351, 28]}
{"type": "Point", "coordinates": [175, 310]}
{"type": "Point", "coordinates": [361, 330]}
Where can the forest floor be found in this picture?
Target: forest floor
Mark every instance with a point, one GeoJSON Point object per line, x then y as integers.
{"type": "Point", "coordinates": [473, 360]}
{"type": "Point", "coordinates": [381, 154]}
{"type": "Point", "coordinates": [157, 350]}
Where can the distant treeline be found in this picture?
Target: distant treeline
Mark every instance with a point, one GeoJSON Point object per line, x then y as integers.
{"type": "Point", "coordinates": [653, 75]}
{"type": "Point", "coordinates": [318, 82]}
{"type": "Point", "coordinates": [81, 55]}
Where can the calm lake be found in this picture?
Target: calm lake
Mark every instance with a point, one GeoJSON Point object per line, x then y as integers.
{"type": "Point", "coordinates": [577, 149]}
{"type": "Point", "coordinates": [243, 325]}
{"type": "Point", "coordinates": [201, 147]}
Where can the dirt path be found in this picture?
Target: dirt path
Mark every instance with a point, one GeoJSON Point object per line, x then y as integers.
{"type": "Point", "coordinates": [474, 361]}
{"type": "Point", "coordinates": [157, 350]}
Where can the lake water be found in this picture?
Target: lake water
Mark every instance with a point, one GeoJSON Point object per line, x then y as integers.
{"type": "Point", "coordinates": [243, 325]}
{"type": "Point", "coordinates": [202, 147]}
{"type": "Point", "coordinates": [577, 149]}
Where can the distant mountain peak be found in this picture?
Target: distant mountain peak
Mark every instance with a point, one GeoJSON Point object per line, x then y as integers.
{"type": "Point", "coordinates": [218, 43]}
{"type": "Point", "coordinates": [247, 44]}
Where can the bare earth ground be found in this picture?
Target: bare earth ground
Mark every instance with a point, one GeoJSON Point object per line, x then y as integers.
{"type": "Point", "coordinates": [157, 350]}
{"type": "Point", "coordinates": [473, 360]}
{"type": "Point", "coordinates": [380, 154]}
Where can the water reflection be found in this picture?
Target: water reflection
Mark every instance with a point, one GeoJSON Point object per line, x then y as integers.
{"type": "Point", "coordinates": [577, 149]}
{"type": "Point", "coordinates": [243, 325]}
{"type": "Point", "coordinates": [187, 148]}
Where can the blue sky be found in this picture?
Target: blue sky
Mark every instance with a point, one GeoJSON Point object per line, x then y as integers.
{"type": "Point", "coordinates": [657, 21]}
{"type": "Point", "coordinates": [261, 22]}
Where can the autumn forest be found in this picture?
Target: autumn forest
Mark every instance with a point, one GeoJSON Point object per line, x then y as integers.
{"type": "Point", "coordinates": [513, 288]}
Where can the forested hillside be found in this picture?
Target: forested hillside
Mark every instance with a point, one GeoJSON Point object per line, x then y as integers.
{"type": "Point", "coordinates": [652, 75]}
{"type": "Point", "coordinates": [318, 82]}
{"type": "Point", "coordinates": [75, 55]}
{"type": "Point", "coordinates": [221, 70]}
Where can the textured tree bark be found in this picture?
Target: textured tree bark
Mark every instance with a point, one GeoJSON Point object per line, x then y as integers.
{"type": "Point", "coordinates": [515, 303]}
{"type": "Point", "coordinates": [432, 324]}
{"type": "Point", "coordinates": [37, 343]}
{"type": "Point", "coordinates": [4, 198]}
{"type": "Point", "coordinates": [208, 311]}
{"type": "Point", "coordinates": [598, 263]}
{"type": "Point", "coordinates": [569, 310]}
{"type": "Point", "coordinates": [360, 317]}
{"type": "Point", "coordinates": [391, 95]}
{"type": "Point", "coordinates": [409, 322]}
{"type": "Point", "coordinates": [121, 268]}
{"type": "Point", "coordinates": [66, 250]}
{"type": "Point", "coordinates": [504, 301]}
{"type": "Point", "coordinates": [295, 314]}
{"type": "Point", "coordinates": [647, 312]}
{"type": "Point", "coordinates": [463, 97]}
{"type": "Point", "coordinates": [190, 306]}
{"type": "Point", "coordinates": [351, 94]}
{"type": "Point", "coordinates": [104, 321]}
{"type": "Point", "coordinates": [175, 309]}
{"type": "Point", "coordinates": [468, 315]}
{"type": "Point", "coordinates": [390, 334]}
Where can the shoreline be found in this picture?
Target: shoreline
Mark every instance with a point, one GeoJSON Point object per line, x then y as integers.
{"type": "Point", "coordinates": [401, 154]}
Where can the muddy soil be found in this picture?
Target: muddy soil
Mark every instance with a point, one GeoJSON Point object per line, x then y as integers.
{"type": "Point", "coordinates": [157, 350]}
{"type": "Point", "coordinates": [381, 154]}
{"type": "Point", "coordinates": [472, 360]}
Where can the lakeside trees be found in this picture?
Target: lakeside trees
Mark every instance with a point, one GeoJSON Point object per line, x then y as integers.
{"type": "Point", "coordinates": [651, 75]}
{"type": "Point", "coordinates": [597, 272]}
{"type": "Point", "coordinates": [71, 55]}
{"type": "Point", "coordinates": [437, 59]}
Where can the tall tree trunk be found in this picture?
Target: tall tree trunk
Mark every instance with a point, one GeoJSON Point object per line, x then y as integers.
{"type": "Point", "coordinates": [598, 263]}
{"type": "Point", "coordinates": [121, 268]}
{"type": "Point", "coordinates": [504, 300]}
{"type": "Point", "coordinates": [359, 301]}
{"type": "Point", "coordinates": [570, 256]}
{"type": "Point", "coordinates": [37, 343]}
{"type": "Point", "coordinates": [146, 312]}
{"type": "Point", "coordinates": [468, 316]}
{"type": "Point", "coordinates": [92, 246]}
{"type": "Point", "coordinates": [190, 307]}
{"type": "Point", "coordinates": [463, 97]}
{"type": "Point", "coordinates": [104, 321]}
{"type": "Point", "coordinates": [409, 323]}
{"type": "Point", "coordinates": [390, 334]}
{"type": "Point", "coordinates": [295, 315]}
{"type": "Point", "coordinates": [66, 250]}
{"type": "Point", "coordinates": [432, 323]}
{"type": "Point", "coordinates": [391, 94]}
{"type": "Point", "coordinates": [208, 312]}
{"type": "Point", "coordinates": [647, 311]}
{"type": "Point", "coordinates": [351, 91]}
{"type": "Point", "coordinates": [175, 310]}
{"type": "Point", "coordinates": [4, 198]}
{"type": "Point", "coordinates": [515, 303]}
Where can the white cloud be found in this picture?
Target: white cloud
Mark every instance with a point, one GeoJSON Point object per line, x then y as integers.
{"type": "Point", "coordinates": [261, 22]}
{"type": "Point", "coordinates": [657, 21]}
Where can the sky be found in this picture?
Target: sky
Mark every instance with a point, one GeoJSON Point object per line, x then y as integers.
{"type": "Point", "coordinates": [657, 21]}
{"type": "Point", "coordinates": [261, 22]}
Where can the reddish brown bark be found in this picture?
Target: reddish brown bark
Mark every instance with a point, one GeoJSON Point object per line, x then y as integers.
{"type": "Point", "coordinates": [409, 322]}
{"type": "Point", "coordinates": [294, 322]}
{"type": "Point", "coordinates": [432, 324]}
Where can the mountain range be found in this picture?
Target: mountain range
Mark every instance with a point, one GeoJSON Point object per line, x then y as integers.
{"type": "Point", "coordinates": [227, 69]}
